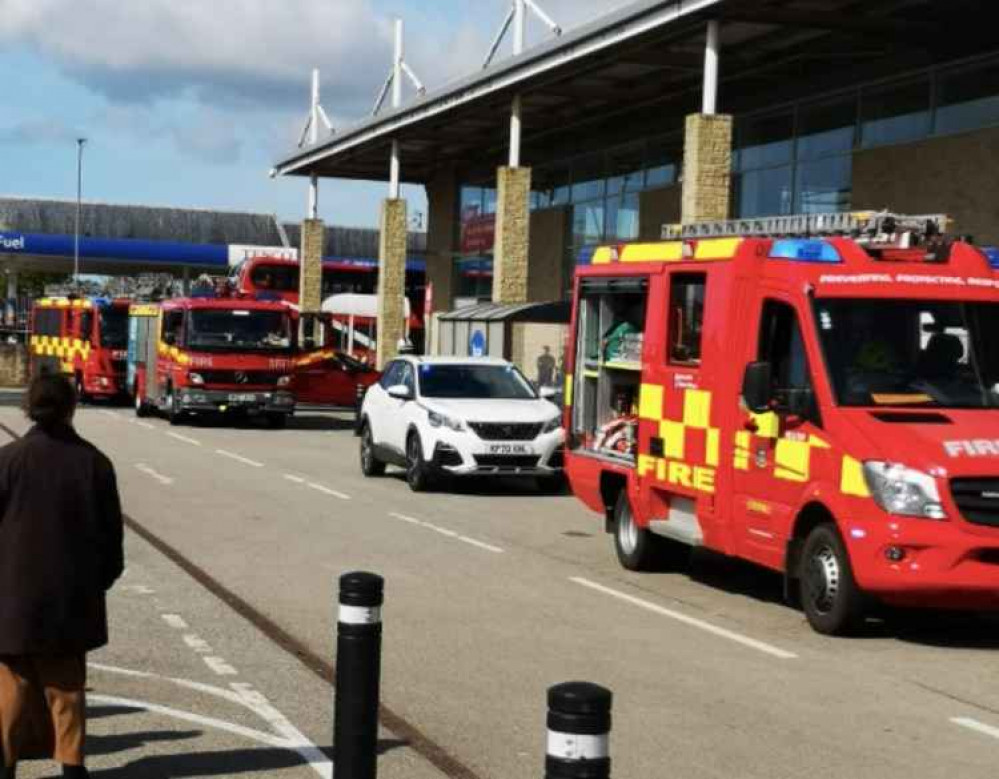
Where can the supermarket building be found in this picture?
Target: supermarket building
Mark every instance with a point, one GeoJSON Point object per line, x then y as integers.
{"type": "Point", "coordinates": [670, 110]}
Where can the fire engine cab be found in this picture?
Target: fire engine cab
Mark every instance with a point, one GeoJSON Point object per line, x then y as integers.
{"type": "Point", "coordinates": [206, 355]}
{"type": "Point", "coordinates": [84, 339]}
{"type": "Point", "coordinates": [815, 394]}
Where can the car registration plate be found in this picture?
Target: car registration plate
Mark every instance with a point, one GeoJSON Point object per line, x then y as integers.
{"type": "Point", "coordinates": [242, 397]}
{"type": "Point", "coordinates": [510, 449]}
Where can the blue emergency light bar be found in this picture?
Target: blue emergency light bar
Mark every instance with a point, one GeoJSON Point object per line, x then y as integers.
{"type": "Point", "coordinates": [804, 250]}
{"type": "Point", "coordinates": [992, 255]}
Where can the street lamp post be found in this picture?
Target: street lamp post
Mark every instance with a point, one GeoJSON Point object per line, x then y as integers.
{"type": "Point", "coordinates": [79, 191]}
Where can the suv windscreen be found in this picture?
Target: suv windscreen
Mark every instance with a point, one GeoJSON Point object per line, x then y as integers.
{"type": "Point", "coordinates": [942, 354]}
{"type": "Point", "coordinates": [114, 327]}
{"type": "Point", "coordinates": [242, 329]}
{"type": "Point", "coordinates": [475, 382]}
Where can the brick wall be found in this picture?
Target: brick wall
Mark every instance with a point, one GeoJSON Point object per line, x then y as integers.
{"type": "Point", "coordinates": [13, 365]}
{"type": "Point", "coordinates": [707, 167]}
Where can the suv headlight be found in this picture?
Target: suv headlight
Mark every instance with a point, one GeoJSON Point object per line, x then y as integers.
{"type": "Point", "coordinates": [196, 378]}
{"type": "Point", "coordinates": [438, 420]}
{"type": "Point", "coordinates": [903, 491]}
{"type": "Point", "coordinates": [552, 425]}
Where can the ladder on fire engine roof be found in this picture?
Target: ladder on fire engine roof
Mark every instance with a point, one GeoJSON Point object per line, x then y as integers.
{"type": "Point", "coordinates": [863, 226]}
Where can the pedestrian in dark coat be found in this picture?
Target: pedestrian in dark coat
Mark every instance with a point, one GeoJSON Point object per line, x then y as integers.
{"type": "Point", "coordinates": [60, 552]}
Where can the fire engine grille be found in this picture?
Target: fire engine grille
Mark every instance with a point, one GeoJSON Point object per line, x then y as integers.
{"type": "Point", "coordinates": [242, 378]}
{"type": "Point", "coordinates": [506, 462]}
{"type": "Point", "coordinates": [505, 431]}
{"type": "Point", "coordinates": [978, 500]}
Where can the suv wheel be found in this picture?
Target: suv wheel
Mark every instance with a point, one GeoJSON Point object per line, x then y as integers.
{"type": "Point", "coordinates": [370, 464]}
{"type": "Point", "coordinates": [417, 473]}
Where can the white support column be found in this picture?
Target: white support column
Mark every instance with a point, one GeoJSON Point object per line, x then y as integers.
{"type": "Point", "coordinates": [710, 105]}
{"type": "Point", "coordinates": [519, 33]}
{"type": "Point", "coordinates": [397, 74]}
{"type": "Point", "coordinates": [314, 139]}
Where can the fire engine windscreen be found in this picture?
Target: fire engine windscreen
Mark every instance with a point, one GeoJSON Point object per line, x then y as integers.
{"type": "Point", "coordinates": [942, 354]}
{"type": "Point", "coordinates": [114, 327]}
{"type": "Point", "coordinates": [250, 329]}
{"type": "Point", "coordinates": [474, 382]}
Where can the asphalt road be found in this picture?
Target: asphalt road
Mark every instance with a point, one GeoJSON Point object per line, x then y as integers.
{"type": "Point", "coordinates": [493, 594]}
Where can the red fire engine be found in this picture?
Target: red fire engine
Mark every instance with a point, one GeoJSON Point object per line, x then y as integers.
{"type": "Point", "coordinates": [204, 355]}
{"type": "Point", "coordinates": [324, 374]}
{"type": "Point", "coordinates": [824, 403]}
{"type": "Point", "coordinates": [83, 339]}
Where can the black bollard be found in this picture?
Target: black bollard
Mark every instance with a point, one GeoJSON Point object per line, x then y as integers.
{"type": "Point", "coordinates": [358, 673]}
{"type": "Point", "coordinates": [579, 723]}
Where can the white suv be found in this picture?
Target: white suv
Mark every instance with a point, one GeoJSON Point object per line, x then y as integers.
{"type": "Point", "coordinates": [439, 416]}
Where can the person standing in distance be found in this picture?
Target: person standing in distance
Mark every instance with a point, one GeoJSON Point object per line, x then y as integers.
{"type": "Point", "coordinates": [60, 552]}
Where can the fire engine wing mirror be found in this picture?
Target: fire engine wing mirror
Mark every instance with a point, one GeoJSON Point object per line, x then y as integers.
{"type": "Point", "coordinates": [169, 339]}
{"type": "Point", "coordinates": [756, 386]}
{"type": "Point", "coordinates": [400, 392]}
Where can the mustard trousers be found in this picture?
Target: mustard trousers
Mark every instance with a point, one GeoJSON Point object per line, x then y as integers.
{"type": "Point", "coordinates": [43, 708]}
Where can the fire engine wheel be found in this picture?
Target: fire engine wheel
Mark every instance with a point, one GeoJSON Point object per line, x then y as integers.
{"type": "Point", "coordinates": [370, 464]}
{"type": "Point", "coordinates": [277, 421]}
{"type": "Point", "coordinates": [174, 415]}
{"type": "Point", "coordinates": [81, 393]}
{"type": "Point", "coordinates": [830, 597]}
{"type": "Point", "coordinates": [417, 474]}
{"type": "Point", "coordinates": [635, 546]}
{"type": "Point", "coordinates": [141, 409]}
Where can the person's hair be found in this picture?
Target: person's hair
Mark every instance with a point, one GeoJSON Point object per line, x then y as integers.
{"type": "Point", "coordinates": [50, 400]}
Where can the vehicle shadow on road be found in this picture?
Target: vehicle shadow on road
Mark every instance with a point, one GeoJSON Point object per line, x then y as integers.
{"type": "Point", "coordinates": [310, 422]}
{"type": "Point", "coordinates": [471, 486]}
{"type": "Point", "coordinates": [927, 627]}
{"type": "Point", "coordinates": [734, 576]}
{"type": "Point", "coordinates": [944, 629]}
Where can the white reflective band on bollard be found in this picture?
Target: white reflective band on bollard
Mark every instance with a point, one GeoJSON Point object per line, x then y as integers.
{"type": "Point", "coordinates": [572, 746]}
{"type": "Point", "coordinates": [360, 615]}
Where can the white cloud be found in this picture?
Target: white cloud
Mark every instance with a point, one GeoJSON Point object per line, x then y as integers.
{"type": "Point", "coordinates": [240, 68]}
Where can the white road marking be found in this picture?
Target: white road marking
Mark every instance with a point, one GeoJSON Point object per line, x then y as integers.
{"type": "Point", "coordinates": [295, 479]}
{"type": "Point", "coordinates": [328, 491]}
{"type": "Point", "coordinates": [139, 589]}
{"type": "Point", "coordinates": [307, 751]}
{"type": "Point", "coordinates": [184, 438]}
{"type": "Point", "coordinates": [761, 646]}
{"type": "Point", "coordinates": [979, 727]}
{"type": "Point", "coordinates": [175, 621]}
{"type": "Point", "coordinates": [147, 425]}
{"type": "Point", "coordinates": [220, 666]}
{"type": "Point", "coordinates": [111, 414]}
{"type": "Point", "coordinates": [239, 458]}
{"type": "Point", "coordinates": [445, 532]}
{"type": "Point", "coordinates": [164, 480]}
{"type": "Point", "coordinates": [197, 643]}
{"type": "Point", "coordinates": [259, 703]}
{"type": "Point", "coordinates": [480, 544]}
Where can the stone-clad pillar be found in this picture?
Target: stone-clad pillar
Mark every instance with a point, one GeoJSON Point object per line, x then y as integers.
{"type": "Point", "coordinates": [391, 279]}
{"type": "Point", "coordinates": [707, 168]}
{"type": "Point", "coordinates": [510, 255]}
{"type": "Point", "coordinates": [310, 283]}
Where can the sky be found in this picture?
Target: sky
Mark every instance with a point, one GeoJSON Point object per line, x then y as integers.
{"type": "Point", "coordinates": [189, 103]}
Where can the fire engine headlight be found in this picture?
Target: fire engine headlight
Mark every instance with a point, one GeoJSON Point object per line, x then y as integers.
{"type": "Point", "coordinates": [552, 425]}
{"type": "Point", "coordinates": [443, 420]}
{"type": "Point", "coordinates": [903, 491]}
{"type": "Point", "coordinates": [196, 378]}
{"type": "Point", "coordinates": [284, 381]}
